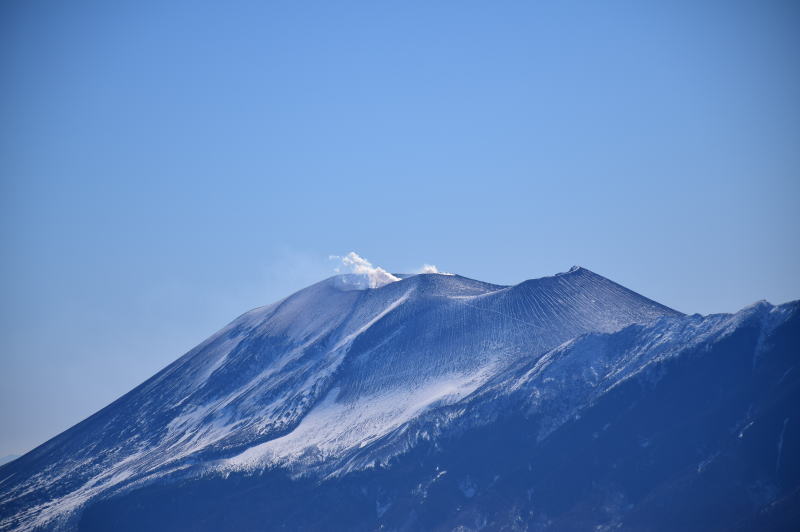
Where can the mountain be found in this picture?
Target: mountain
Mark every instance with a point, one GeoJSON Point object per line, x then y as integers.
{"type": "Point", "coordinates": [438, 402]}
{"type": "Point", "coordinates": [8, 458]}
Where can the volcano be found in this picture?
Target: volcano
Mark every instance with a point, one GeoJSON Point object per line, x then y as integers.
{"type": "Point", "coordinates": [438, 402]}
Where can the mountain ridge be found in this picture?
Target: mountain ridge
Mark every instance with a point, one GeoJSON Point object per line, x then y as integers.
{"type": "Point", "coordinates": [333, 379]}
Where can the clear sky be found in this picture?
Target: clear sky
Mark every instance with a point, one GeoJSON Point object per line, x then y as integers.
{"type": "Point", "coordinates": [165, 166]}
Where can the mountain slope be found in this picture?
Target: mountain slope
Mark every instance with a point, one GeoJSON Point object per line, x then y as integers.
{"type": "Point", "coordinates": [334, 381]}
{"type": "Point", "coordinates": [687, 423]}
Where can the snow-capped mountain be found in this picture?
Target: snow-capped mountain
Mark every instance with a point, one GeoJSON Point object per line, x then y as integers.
{"type": "Point", "coordinates": [434, 401]}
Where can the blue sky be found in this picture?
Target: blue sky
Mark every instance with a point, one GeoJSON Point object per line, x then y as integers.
{"type": "Point", "coordinates": [164, 168]}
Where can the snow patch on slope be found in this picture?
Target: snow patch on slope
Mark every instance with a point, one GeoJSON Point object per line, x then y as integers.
{"type": "Point", "coordinates": [332, 428]}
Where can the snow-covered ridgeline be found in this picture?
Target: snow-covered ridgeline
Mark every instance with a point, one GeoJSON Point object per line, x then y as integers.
{"type": "Point", "coordinates": [333, 378]}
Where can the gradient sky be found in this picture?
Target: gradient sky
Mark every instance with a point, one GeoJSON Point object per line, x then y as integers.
{"type": "Point", "coordinates": [164, 168]}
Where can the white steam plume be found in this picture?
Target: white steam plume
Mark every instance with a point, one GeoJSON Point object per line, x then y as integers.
{"type": "Point", "coordinates": [357, 264]}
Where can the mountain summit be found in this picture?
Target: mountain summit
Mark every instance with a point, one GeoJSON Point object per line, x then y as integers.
{"type": "Point", "coordinates": [434, 401]}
